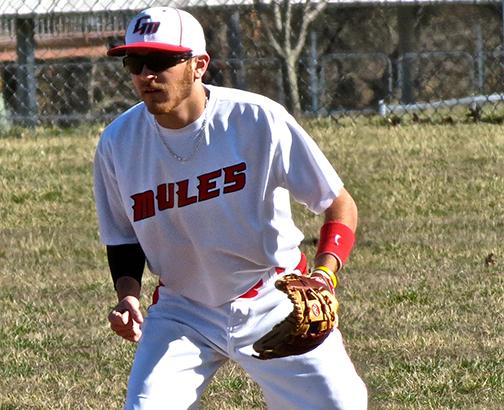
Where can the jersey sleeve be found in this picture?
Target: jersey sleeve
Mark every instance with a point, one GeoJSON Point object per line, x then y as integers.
{"type": "Point", "coordinates": [305, 171]}
{"type": "Point", "coordinates": [114, 225]}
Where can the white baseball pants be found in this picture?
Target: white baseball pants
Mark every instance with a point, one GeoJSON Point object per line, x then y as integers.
{"type": "Point", "coordinates": [184, 343]}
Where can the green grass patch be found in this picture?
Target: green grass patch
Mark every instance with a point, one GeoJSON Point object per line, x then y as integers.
{"type": "Point", "coordinates": [421, 298]}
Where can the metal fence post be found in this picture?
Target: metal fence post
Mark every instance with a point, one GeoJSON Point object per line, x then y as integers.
{"type": "Point", "coordinates": [26, 88]}
{"type": "Point", "coordinates": [480, 58]}
{"type": "Point", "coordinates": [405, 25]}
{"type": "Point", "coordinates": [236, 45]}
{"type": "Point", "coordinates": [312, 70]}
{"type": "Point", "coordinates": [502, 33]}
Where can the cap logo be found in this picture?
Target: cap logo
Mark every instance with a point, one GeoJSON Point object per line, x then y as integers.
{"type": "Point", "coordinates": [143, 27]}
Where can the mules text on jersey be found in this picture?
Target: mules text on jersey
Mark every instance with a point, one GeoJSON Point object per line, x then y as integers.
{"type": "Point", "coordinates": [176, 194]}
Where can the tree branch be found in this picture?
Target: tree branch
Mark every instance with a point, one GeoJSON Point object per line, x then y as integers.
{"type": "Point", "coordinates": [310, 13]}
{"type": "Point", "coordinates": [288, 24]}
{"type": "Point", "coordinates": [277, 18]}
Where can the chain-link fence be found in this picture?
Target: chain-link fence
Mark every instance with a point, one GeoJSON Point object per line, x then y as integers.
{"type": "Point", "coordinates": [342, 57]}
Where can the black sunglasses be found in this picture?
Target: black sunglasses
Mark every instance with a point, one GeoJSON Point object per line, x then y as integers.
{"type": "Point", "coordinates": [155, 62]}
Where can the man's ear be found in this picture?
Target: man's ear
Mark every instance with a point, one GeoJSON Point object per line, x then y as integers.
{"type": "Point", "coordinates": [201, 65]}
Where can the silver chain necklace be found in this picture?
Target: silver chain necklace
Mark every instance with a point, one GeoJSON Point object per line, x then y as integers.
{"type": "Point", "coordinates": [197, 139]}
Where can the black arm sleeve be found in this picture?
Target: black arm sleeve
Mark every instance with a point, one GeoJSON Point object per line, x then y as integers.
{"type": "Point", "coordinates": [126, 260]}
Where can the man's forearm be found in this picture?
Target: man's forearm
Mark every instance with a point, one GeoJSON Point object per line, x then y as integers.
{"type": "Point", "coordinates": [343, 210]}
{"type": "Point", "coordinates": [126, 263]}
{"type": "Point", "coordinates": [326, 259]}
{"type": "Point", "coordinates": [337, 234]}
{"type": "Point", "coordinates": [127, 286]}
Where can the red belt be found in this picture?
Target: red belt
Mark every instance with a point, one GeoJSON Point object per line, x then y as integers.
{"type": "Point", "coordinates": [301, 266]}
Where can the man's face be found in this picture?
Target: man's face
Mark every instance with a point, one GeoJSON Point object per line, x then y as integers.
{"type": "Point", "coordinates": [162, 89]}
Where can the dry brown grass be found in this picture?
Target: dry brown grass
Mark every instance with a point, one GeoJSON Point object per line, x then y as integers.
{"type": "Point", "coordinates": [421, 310]}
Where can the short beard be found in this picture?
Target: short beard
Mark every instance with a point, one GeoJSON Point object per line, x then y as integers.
{"type": "Point", "coordinates": [177, 93]}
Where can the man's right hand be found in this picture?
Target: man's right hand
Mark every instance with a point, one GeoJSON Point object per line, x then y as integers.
{"type": "Point", "coordinates": [125, 319]}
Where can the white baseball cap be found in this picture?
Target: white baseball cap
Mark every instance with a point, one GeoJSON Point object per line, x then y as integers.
{"type": "Point", "coordinates": [163, 29]}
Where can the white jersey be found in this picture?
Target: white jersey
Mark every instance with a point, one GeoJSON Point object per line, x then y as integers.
{"type": "Point", "coordinates": [212, 225]}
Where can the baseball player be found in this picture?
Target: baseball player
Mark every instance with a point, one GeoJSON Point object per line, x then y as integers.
{"type": "Point", "coordinates": [196, 180]}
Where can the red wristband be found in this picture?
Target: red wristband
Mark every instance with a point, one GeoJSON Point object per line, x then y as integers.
{"type": "Point", "coordinates": [336, 239]}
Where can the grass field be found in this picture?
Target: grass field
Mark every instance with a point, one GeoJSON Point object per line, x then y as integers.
{"type": "Point", "coordinates": [422, 297]}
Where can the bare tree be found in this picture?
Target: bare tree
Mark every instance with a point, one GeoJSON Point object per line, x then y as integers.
{"type": "Point", "coordinates": [280, 25]}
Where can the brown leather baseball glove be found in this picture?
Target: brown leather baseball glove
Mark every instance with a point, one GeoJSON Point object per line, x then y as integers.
{"type": "Point", "coordinates": [314, 316]}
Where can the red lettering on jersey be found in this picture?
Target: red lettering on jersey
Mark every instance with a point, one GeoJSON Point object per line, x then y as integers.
{"type": "Point", "coordinates": [235, 176]}
{"type": "Point", "coordinates": [211, 185]}
{"type": "Point", "coordinates": [165, 196]}
{"type": "Point", "coordinates": [182, 192]}
{"type": "Point", "coordinates": [143, 206]}
{"type": "Point", "coordinates": [206, 187]}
